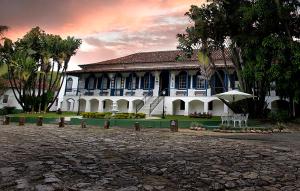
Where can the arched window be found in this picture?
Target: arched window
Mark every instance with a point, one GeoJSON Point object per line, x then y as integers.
{"type": "Point", "coordinates": [132, 82]}
{"type": "Point", "coordinates": [90, 83]}
{"type": "Point", "coordinates": [105, 82]}
{"type": "Point", "coordinates": [118, 81]}
{"type": "Point", "coordinates": [69, 84]}
{"type": "Point", "coordinates": [148, 81]}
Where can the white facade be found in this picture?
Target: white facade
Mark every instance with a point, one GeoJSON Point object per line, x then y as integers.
{"type": "Point", "coordinates": [176, 102]}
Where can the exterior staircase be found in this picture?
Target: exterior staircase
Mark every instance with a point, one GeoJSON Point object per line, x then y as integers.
{"type": "Point", "coordinates": [150, 105]}
{"type": "Point", "coordinates": [146, 107]}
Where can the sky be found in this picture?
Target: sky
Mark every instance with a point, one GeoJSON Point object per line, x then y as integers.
{"type": "Point", "coordinates": [108, 28]}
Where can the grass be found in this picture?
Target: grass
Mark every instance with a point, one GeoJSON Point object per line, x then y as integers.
{"type": "Point", "coordinates": [45, 115]}
{"type": "Point", "coordinates": [187, 118]}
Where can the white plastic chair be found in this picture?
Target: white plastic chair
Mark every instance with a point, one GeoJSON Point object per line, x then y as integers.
{"type": "Point", "coordinates": [245, 119]}
{"type": "Point", "coordinates": [226, 119]}
{"type": "Point", "coordinates": [237, 118]}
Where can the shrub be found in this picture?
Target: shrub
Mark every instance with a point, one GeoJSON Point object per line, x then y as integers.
{"type": "Point", "coordinates": [107, 115]}
{"type": "Point", "coordinates": [279, 116]}
{"type": "Point", "coordinates": [200, 115]}
{"type": "Point", "coordinates": [9, 110]}
{"type": "Point", "coordinates": [140, 115]}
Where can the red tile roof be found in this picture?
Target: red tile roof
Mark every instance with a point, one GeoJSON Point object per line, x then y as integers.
{"type": "Point", "coordinates": [145, 61]}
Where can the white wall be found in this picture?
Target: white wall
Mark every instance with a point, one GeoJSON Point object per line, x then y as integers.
{"type": "Point", "coordinates": [12, 101]}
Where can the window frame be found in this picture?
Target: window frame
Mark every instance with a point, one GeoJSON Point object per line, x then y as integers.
{"type": "Point", "coordinates": [104, 86]}
{"type": "Point", "coordinates": [68, 87]}
{"type": "Point", "coordinates": [131, 84]}
{"type": "Point", "coordinates": [200, 83]}
{"type": "Point", "coordinates": [182, 82]}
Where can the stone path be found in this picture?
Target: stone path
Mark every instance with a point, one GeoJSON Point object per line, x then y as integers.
{"type": "Point", "coordinates": [70, 158]}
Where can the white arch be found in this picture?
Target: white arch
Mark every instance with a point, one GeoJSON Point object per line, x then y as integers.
{"type": "Point", "coordinates": [135, 103]}
{"type": "Point", "coordinates": [82, 104]}
{"type": "Point", "coordinates": [123, 105]}
{"type": "Point", "coordinates": [94, 104]}
{"type": "Point", "coordinates": [177, 107]}
{"type": "Point", "coordinates": [107, 105]}
{"type": "Point", "coordinates": [70, 104]}
{"type": "Point", "coordinates": [217, 107]}
{"type": "Point", "coordinates": [196, 106]}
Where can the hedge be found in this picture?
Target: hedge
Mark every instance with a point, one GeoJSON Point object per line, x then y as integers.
{"type": "Point", "coordinates": [108, 115]}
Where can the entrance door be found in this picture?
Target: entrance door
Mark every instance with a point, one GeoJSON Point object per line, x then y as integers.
{"type": "Point", "coordinates": [164, 82]}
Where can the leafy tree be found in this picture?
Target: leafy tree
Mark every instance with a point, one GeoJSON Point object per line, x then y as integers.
{"type": "Point", "coordinates": [3, 69]}
{"type": "Point", "coordinates": [261, 37]}
{"type": "Point", "coordinates": [37, 66]}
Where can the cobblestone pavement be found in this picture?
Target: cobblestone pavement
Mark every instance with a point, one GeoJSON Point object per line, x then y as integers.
{"type": "Point", "coordinates": [49, 158]}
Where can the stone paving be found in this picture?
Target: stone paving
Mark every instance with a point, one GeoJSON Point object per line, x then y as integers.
{"type": "Point", "coordinates": [49, 158]}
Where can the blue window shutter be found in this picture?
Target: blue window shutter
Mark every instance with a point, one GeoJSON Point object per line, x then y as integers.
{"type": "Point", "coordinates": [95, 82]}
{"type": "Point", "coordinates": [108, 83]}
{"type": "Point", "coordinates": [142, 82]}
{"type": "Point", "coordinates": [137, 83]}
{"type": "Point", "coordinates": [176, 82]}
{"type": "Point", "coordinates": [127, 82]}
{"type": "Point", "coordinates": [152, 79]}
{"type": "Point", "coordinates": [194, 81]}
{"type": "Point", "coordinates": [189, 82]}
{"type": "Point", "coordinates": [99, 83]}
{"type": "Point", "coordinates": [86, 85]}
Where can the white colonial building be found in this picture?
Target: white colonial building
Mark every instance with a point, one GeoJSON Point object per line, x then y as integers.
{"type": "Point", "coordinates": [145, 82]}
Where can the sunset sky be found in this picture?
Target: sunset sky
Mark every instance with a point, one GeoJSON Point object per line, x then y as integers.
{"type": "Point", "coordinates": [108, 28]}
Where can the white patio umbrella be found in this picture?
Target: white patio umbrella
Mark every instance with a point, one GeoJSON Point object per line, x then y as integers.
{"type": "Point", "coordinates": [234, 95]}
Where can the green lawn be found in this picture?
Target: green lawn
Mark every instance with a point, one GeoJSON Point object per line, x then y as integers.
{"type": "Point", "coordinates": [187, 118]}
{"type": "Point", "coordinates": [45, 115]}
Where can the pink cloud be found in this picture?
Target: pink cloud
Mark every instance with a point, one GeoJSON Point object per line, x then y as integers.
{"type": "Point", "coordinates": [109, 28]}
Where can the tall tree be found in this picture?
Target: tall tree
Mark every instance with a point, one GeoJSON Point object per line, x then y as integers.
{"type": "Point", "coordinates": [3, 81]}
{"type": "Point", "coordinates": [37, 66]}
{"type": "Point", "coordinates": [248, 29]}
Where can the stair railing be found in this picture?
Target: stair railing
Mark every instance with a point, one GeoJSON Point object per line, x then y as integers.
{"type": "Point", "coordinates": [156, 102]}
{"type": "Point", "coordinates": [141, 104]}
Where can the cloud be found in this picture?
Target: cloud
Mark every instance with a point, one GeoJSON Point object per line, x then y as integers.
{"type": "Point", "coordinates": [108, 28]}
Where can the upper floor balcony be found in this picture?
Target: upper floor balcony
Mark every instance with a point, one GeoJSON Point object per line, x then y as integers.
{"type": "Point", "coordinates": [175, 83]}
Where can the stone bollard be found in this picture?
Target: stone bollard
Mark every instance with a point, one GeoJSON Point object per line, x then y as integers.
{"type": "Point", "coordinates": [106, 124]}
{"type": "Point", "coordinates": [137, 126]}
{"type": "Point", "coordinates": [62, 122]}
{"type": "Point", "coordinates": [39, 121]}
{"type": "Point", "coordinates": [21, 121]}
{"type": "Point", "coordinates": [174, 125]}
{"type": "Point", "coordinates": [6, 120]}
{"type": "Point", "coordinates": [83, 123]}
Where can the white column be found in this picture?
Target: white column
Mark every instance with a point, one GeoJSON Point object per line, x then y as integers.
{"type": "Point", "coordinates": [172, 84]}
{"type": "Point", "coordinates": [130, 107]}
{"type": "Point", "coordinates": [100, 106]}
{"type": "Point", "coordinates": [186, 111]}
{"type": "Point", "coordinates": [156, 84]}
{"type": "Point", "coordinates": [205, 107]}
{"type": "Point", "coordinates": [111, 78]}
{"type": "Point", "coordinates": [87, 106]}
{"type": "Point", "coordinates": [191, 87]}
{"type": "Point", "coordinates": [75, 109]}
